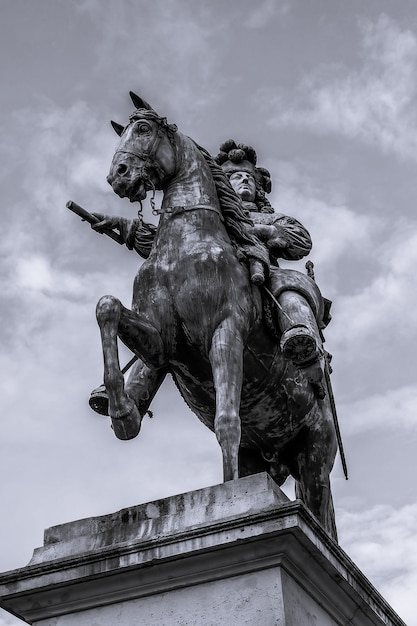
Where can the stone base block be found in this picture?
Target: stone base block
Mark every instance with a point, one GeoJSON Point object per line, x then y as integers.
{"type": "Point", "coordinates": [234, 554]}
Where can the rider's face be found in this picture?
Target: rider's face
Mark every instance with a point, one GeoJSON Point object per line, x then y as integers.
{"type": "Point", "coordinates": [244, 185]}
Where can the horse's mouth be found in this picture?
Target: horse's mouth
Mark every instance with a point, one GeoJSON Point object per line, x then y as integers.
{"type": "Point", "coordinates": [140, 188]}
{"type": "Point", "coordinates": [138, 192]}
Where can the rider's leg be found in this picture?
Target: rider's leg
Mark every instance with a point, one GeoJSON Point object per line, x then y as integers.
{"type": "Point", "coordinates": [300, 334]}
{"type": "Point", "coordinates": [300, 341]}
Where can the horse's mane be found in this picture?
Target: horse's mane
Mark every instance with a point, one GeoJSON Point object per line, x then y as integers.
{"type": "Point", "coordinates": [237, 220]}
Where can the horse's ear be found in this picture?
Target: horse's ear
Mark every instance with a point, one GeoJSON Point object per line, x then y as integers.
{"type": "Point", "coordinates": [138, 102]}
{"type": "Point", "coordinates": [117, 127]}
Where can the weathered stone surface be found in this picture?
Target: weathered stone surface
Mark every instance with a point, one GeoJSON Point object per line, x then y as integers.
{"type": "Point", "coordinates": [237, 553]}
{"type": "Point", "coordinates": [162, 518]}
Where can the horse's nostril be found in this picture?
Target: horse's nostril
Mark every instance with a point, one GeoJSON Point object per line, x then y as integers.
{"type": "Point", "coordinates": [122, 169]}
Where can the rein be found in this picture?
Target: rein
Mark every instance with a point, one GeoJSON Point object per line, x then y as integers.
{"type": "Point", "coordinates": [178, 209]}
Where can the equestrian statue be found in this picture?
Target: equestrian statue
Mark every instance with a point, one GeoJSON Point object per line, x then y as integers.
{"type": "Point", "coordinates": [241, 337]}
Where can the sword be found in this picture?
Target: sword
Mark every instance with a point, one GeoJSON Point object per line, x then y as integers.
{"type": "Point", "coordinates": [334, 414]}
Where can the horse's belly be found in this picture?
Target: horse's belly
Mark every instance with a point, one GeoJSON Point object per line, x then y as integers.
{"type": "Point", "coordinates": [186, 300]}
{"type": "Point", "coordinates": [276, 401]}
{"type": "Point", "coordinates": [275, 410]}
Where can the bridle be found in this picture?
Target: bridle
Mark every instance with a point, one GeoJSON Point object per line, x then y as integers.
{"type": "Point", "coordinates": [150, 152]}
{"type": "Point", "coordinates": [163, 127]}
{"type": "Point", "coordinates": [148, 156]}
{"type": "Point", "coordinates": [150, 162]}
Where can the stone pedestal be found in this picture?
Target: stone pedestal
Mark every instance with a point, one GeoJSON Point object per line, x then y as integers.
{"type": "Point", "coordinates": [237, 553]}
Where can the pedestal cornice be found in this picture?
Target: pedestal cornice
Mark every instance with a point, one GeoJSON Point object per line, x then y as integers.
{"type": "Point", "coordinates": [191, 539]}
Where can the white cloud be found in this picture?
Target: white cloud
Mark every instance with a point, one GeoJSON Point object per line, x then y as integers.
{"type": "Point", "coordinates": [389, 302]}
{"type": "Point", "coordinates": [175, 35]}
{"type": "Point", "coordinates": [393, 410]}
{"type": "Point", "coordinates": [67, 148]}
{"type": "Point", "coordinates": [334, 228]}
{"type": "Point", "coordinates": [337, 231]}
{"type": "Point", "coordinates": [382, 542]}
{"type": "Point", "coordinates": [259, 15]}
{"type": "Point", "coordinates": [34, 273]}
{"type": "Point", "coordinates": [374, 104]}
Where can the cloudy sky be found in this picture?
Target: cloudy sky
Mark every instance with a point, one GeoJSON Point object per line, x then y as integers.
{"type": "Point", "coordinates": [326, 92]}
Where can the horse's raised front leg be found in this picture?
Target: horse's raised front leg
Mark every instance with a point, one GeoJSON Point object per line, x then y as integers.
{"type": "Point", "coordinates": [226, 358]}
{"type": "Point", "coordinates": [142, 384]}
{"type": "Point", "coordinates": [125, 417]}
{"type": "Point", "coordinates": [114, 319]}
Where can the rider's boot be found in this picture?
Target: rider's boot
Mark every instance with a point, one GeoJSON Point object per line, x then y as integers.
{"type": "Point", "coordinates": [300, 339]}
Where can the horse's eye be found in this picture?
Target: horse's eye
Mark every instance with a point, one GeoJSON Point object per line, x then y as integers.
{"type": "Point", "coordinates": [143, 128]}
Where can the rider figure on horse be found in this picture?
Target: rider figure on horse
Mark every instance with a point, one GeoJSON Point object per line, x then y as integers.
{"type": "Point", "coordinates": [301, 311]}
{"type": "Point", "coordinates": [245, 351]}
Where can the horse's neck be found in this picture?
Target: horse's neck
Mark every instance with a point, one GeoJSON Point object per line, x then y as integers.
{"type": "Point", "coordinates": [192, 184]}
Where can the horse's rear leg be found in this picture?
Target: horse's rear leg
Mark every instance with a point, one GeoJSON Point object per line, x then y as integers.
{"type": "Point", "coordinates": [126, 419]}
{"type": "Point", "coordinates": [318, 497]}
{"type": "Point", "coordinates": [143, 383]}
{"type": "Point", "coordinates": [226, 358]}
{"type": "Point", "coordinates": [314, 463]}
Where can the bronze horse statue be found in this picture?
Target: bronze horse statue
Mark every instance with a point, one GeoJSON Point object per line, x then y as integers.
{"type": "Point", "coordinates": [196, 315]}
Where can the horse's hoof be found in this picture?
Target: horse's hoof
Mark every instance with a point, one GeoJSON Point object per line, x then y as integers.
{"type": "Point", "coordinates": [299, 345]}
{"type": "Point", "coordinates": [99, 400]}
{"type": "Point", "coordinates": [127, 425]}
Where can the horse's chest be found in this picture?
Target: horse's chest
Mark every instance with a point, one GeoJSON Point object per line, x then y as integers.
{"type": "Point", "coordinates": [188, 294]}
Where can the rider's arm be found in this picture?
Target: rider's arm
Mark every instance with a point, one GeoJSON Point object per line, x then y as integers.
{"type": "Point", "coordinates": [285, 237]}
{"type": "Point", "coordinates": [136, 234]}
{"type": "Point", "coordinates": [140, 237]}
{"type": "Point", "coordinates": [298, 238]}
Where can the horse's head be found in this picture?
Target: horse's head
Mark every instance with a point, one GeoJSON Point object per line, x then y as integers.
{"type": "Point", "coordinates": [145, 156]}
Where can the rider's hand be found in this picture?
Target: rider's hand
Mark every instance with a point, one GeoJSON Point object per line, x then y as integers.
{"type": "Point", "coordinates": [278, 238]}
{"type": "Point", "coordinates": [107, 222]}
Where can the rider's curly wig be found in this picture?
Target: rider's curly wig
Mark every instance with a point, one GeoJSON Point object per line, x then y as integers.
{"type": "Point", "coordinates": [235, 153]}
